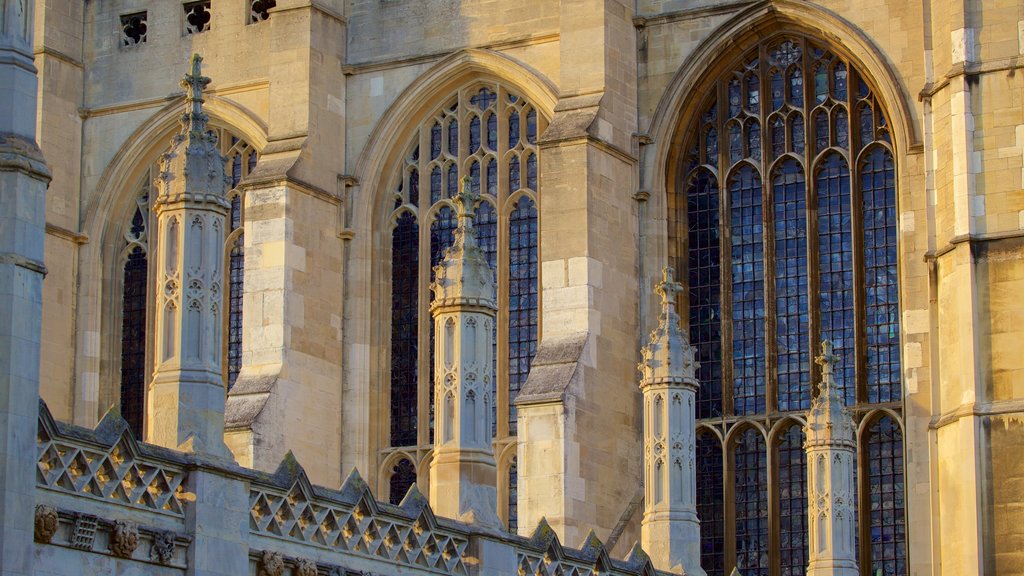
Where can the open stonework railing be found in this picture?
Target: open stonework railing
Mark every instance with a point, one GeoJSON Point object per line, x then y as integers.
{"type": "Point", "coordinates": [104, 498]}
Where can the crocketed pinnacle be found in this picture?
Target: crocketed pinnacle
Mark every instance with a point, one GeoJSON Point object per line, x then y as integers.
{"type": "Point", "coordinates": [668, 358]}
{"type": "Point", "coordinates": [463, 277]}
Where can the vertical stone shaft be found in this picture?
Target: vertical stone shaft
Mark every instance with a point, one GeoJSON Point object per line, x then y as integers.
{"type": "Point", "coordinates": [463, 476]}
{"type": "Point", "coordinates": [670, 532]}
{"type": "Point", "coordinates": [23, 180]}
{"type": "Point", "coordinates": [830, 450]}
{"type": "Point", "coordinates": [185, 403]}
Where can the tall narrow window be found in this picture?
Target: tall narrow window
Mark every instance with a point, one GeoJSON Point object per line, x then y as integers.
{"type": "Point", "coordinates": [783, 219]}
{"type": "Point", "coordinates": [403, 476]}
{"type": "Point", "coordinates": [886, 498]}
{"type": "Point", "coordinates": [404, 312]}
{"type": "Point", "coordinates": [488, 132]}
{"type": "Point", "coordinates": [711, 504]}
{"type": "Point", "coordinates": [513, 496]}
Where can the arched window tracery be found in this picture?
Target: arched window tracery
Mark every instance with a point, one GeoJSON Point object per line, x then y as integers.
{"type": "Point", "coordinates": [136, 289]}
{"type": "Point", "coordinates": [785, 223]}
{"type": "Point", "coordinates": [488, 132]}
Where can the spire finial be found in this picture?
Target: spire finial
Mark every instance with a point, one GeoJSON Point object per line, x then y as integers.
{"type": "Point", "coordinates": [827, 360]}
{"type": "Point", "coordinates": [466, 199]}
{"type": "Point", "coordinates": [194, 83]}
{"type": "Point", "coordinates": [668, 287]}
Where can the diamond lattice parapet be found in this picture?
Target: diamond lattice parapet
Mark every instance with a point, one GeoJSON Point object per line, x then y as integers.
{"type": "Point", "coordinates": [107, 464]}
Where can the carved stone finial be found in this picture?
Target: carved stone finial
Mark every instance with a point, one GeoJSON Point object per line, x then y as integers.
{"type": "Point", "coordinates": [668, 288]}
{"type": "Point", "coordinates": [124, 539]}
{"type": "Point", "coordinates": [827, 360]}
{"type": "Point", "coordinates": [467, 198]}
{"type": "Point", "coordinates": [194, 83]}
{"type": "Point", "coordinates": [46, 523]}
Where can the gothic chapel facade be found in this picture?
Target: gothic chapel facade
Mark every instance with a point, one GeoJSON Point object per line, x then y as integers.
{"type": "Point", "coordinates": [850, 172]}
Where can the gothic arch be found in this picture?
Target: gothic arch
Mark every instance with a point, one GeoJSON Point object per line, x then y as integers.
{"type": "Point", "coordinates": [105, 215]}
{"type": "Point", "coordinates": [684, 93]}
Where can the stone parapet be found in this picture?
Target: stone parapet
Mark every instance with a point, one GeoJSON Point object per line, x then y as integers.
{"type": "Point", "coordinates": [114, 505]}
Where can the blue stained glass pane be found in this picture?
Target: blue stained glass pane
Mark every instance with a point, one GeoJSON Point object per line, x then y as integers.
{"type": "Point", "coordinates": [886, 499]}
{"type": "Point", "coordinates": [842, 129]}
{"type": "Point", "coordinates": [820, 131]}
{"type": "Point", "coordinates": [839, 80]}
{"type": "Point", "coordinates": [753, 94]}
{"type": "Point", "coordinates": [796, 131]}
{"type": "Point", "coordinates": [711, 504]}
{"type": "Point", "coordinates": [236, 169]}
{"type": "Point", "coordinates": [751, 493]}
{"type": "Point", "coordinates": [747, 292]}
{"type": "Point", "coordinates": [435, 141]}
{"type": "Point", "coordinates": [735, 142]}
{"type": "Point", "coordinates": [474, 135]}
{"type": "Point", "coordinates": [867, 125]}
{"type": "Point", "coordinates": [252, 162]}
{"type": "Point", "coordinates": [791, 301]}
{"type": "Point", "coordinates": [492, 131]}
{"type": "Point", "coordinates": [878, 191]}
{"type": "Point", "coordinates": [778, 137]}
{"type": "Point", "coordinates": [835, 262]}
{"type": "Point", "coordinates": [796, 87]}
{"type": "Point", "coordinates": [513, 129]}
{"type": "Point", "coordinates": [486, 226]}
{"type": "Point", "coordinates": [403, 475]}
{"type": "Point", "coordinates": [754, 139]}
{"type": "Point", "coordinates": [474, 176]}
{"type": "Point", "coordinates": [820, 83]}
{"type": "Point", "coordinates": [531, 126]}
{"type": "Point", "coordinates": [734, 97]}
{"type": "Point", "coordinates": [513, 174]}
{"type": "Point", "coordinates": [453, 180]}
{"type": "Point", "coordinates": [442, 234]}
{"type": "Point", "coordinates": [523, 298]}
{"type": "Point", "coordinates": [414, 187]}
{"type": "Point", "coordinates": [704, 284]}
{"type": "Point", "coordinates": [531, 171]}
{"type": "Point", "coordinates": [711, 147]}
{"type": "Point", "coordinates": [404, 326]}
{"type": "Point", "coordinates": [435, 184]}
{"type": "Point", "coordinates": [483, 99]}
{"type": "Point", "coordinates": [792, 503]}
{"type": "Point", "coordinates": [492, 177]}
{"type": "Point", "coordinates": [778, 90]}
{"type": "Point", "coordinates": [453, 137]}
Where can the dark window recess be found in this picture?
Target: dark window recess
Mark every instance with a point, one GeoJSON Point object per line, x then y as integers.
{"type": "Point", "coordinates": [259, 10]}
{"type": "Point", "coordinates": [522, 299]}
{"type": "Point", "coordinates": [133, 29]}
{"type": "Point", "coordinates": [513, 497]}
{"type": "Point", "coordinates": [133, 341]}
{"type": "Point", "coordinates": [197, 17]}
{"type": "Point", "coordinates": [404, 259]}
{"type": "Point", "coordinates": [403, 475]}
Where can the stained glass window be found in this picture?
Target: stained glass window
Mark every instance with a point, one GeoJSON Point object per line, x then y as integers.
{"type": "Point", "coordinates": [403, 476]}
{"type": "Point", "coordinates": [886, 498]}
{"type": "Point", "coordinates": [784, 220]}
{"type": "Point", "coordinates": [751, 497]}
{"type": "Point", "coordinates": [513, 496]}
{"type": "Point", "coordinates": [487, 132]}
{"type": "Point", "coordinates": [792, 488]}
{"type": "Point", "coordinates": [133, 340]}
{"type": "Point", "coordinates": [711, 504]}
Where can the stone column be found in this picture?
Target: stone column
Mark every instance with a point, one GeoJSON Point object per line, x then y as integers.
{"type": "Point", "coordinates": [463, 474]}
{"type": "Point", "coordinates": [831, 456]}
{"type": "Point", "coordinates": [670, 532]}
{"type": "Point", "coordinates": [23, 180]}
{"type": "Point", "coordinates": [185, 404]}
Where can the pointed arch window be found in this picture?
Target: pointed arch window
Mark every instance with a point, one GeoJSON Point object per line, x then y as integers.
{"type": "Point", "coordinates": [784, 219]}
{"type": "Point", "coordinates": [488, 132]}
{"type": "Point", "coordinates": [136, 282]}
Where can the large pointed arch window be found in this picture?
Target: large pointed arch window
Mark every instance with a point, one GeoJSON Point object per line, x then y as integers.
{"type": "Point", "coordinates": [784, 219]}
{"type": "Point", "coordinates": [488, 132]}
{"type": "Point", "coordinates": [137, 289]}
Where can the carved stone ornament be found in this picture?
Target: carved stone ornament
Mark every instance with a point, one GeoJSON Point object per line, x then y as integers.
{"type": "Point", "coordinates": [271, 564]}
{"type": "Point", "coordinates": [124, 539]}
{"type": "Point", "coordinates": [305, 567]}
{"type": "Point", "coordinates": [46, 523]}
{"type": "Point", "coordinates": [163, 547]}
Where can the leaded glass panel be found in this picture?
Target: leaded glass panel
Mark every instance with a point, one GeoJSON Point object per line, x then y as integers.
{"type": "Point", "coordinates": [711, 504]}
{"type": "Point", "coordinates": [747, 259]}
{"type": "Point", "coordinates": [403, 476]}
{"type": "Point", "coordinates": [792, 321]}
{"type": "Point", "coordinates": [751, 501]}
{"type": "Point", "coordinates": [404, 313]}
{"type": "Point", "coordinates": [886, 499]}
{"type": "Point", "coordinates": [793, 553]}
